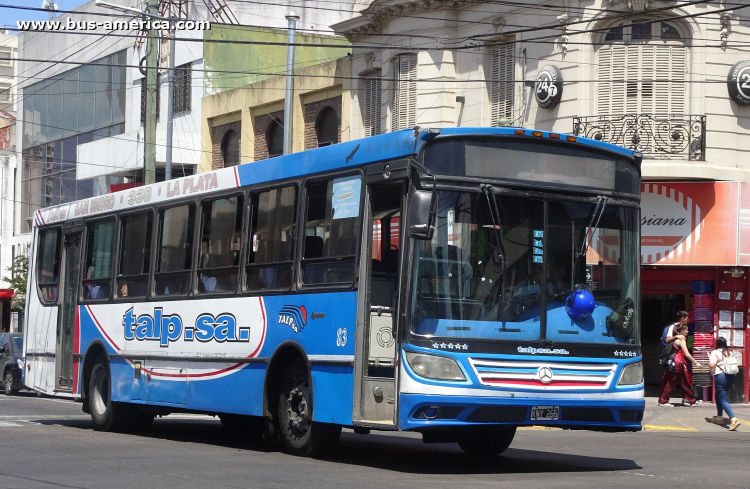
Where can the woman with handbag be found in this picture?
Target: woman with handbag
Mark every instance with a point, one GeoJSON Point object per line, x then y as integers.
{"type": "Point", "coordinates": [678, 376]}
{"type": "Point", "coordinates": [723, 371]}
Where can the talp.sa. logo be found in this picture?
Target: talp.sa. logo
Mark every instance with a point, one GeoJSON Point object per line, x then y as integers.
{"type": "Point", "coordinates": [293, 316]}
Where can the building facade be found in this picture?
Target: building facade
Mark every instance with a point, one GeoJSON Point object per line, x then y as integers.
{"type": "Point", "coordinates": [667, 79]}
{"type": "Point", "coordinates": [8, 55]}
{"type": "Point", "coordinates": [81, 116]}
{"type": "Point", "coordinates": [246, 124]}
{"type": "Point", "coordinates": [11, 244]}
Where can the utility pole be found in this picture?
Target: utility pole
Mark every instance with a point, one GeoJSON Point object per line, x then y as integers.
{"type": "Point", "coordinates": [151, 87]}
{"type": "Point", "coordinates": [291, 34]}
{"type": "Point", "coordinates": [170, 102]}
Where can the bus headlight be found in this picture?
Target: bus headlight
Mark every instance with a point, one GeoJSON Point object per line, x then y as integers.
{"type": "Point", "coordinates": [632, 374]}
{"type": "Point", "coordinates": [434, 367]}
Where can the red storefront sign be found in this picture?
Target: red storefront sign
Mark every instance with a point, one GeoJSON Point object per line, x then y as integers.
{"type": "Point", "coordinates": [691, 223]}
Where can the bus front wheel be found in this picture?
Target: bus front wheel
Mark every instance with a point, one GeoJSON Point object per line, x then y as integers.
{"type": "Point", "coordinates": [490, 442]}
{"type": "Point", "coordinates": [300, 434]}
{"type": "Point", "coordinates": [106, 414]}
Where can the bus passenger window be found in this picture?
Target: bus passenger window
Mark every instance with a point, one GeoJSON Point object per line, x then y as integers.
{"type": "Point", "coordinates": [48, 275]}
{"type": "Point", "coordinates": [271, 245]}
{"type": "Point", "coordinates": [172, 274]}
{"type": "Point", "coordinates": [135, 251]}
{"type": "Point", "coordinates": [331, 231]}
{"type": "Point", "coordinates": [100, 242]}
{"type": "Point", "coordinates": [221, 234]}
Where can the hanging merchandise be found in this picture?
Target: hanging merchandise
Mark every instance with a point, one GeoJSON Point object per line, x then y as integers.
{"type": "Point", "coordinates": [702, 286]}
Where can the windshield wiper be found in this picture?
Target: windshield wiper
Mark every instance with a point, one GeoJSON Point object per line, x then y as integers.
{"type": "Point", "coordinates": [601, 203]}
{"type": "Point", "coordinates": [489, 195]}
{"type": "Point", "coordinates": [590, 230]}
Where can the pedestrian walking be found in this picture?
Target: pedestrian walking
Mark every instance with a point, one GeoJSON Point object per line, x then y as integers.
{"type": "Point", "coordinates": [668, 336]}
{"type": "Point", "coordinates": [678, 375]}
{"type": "Point", "coordinates": [722, 383]}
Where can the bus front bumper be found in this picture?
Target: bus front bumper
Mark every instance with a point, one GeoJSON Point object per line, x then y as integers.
{"type": "Point", "coordinates": [421, 412]}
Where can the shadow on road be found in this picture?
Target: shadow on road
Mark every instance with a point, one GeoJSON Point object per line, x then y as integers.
{"type": "Point", "coordinates": [382, 451]}
{"type": "Point", "coordinates": [412, 456]}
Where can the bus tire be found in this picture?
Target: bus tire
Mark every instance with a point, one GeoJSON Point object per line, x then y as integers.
{"type": "Point", "coordinates": [302, 436]}
{"type": "Point", "coordinates": [106, 414]}
{"type": "Point", "coordinates": [489, 442]}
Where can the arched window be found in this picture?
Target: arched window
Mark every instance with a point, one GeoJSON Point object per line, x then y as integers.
{"type": "Point", "coordinates": [327, 128]}
{"type": "Point", "coordinates": [275, 138]}
{"type": "Point", "coordinates": [230, 148]}
{"type": "Point", "coordinates": [642, 70]}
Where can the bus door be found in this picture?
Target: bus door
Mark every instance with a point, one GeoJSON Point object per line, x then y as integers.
{"type": "Point", "coordinates": [68, 303]}
{"type": "Point", "coordinates": [380, 280]}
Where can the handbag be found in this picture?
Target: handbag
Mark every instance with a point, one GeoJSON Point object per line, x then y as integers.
{"type": "Point", "coordinates": [731, 366]}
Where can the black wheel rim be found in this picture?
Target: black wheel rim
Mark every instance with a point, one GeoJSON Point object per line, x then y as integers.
{"type": "Point", "coordinates": [298, 409]}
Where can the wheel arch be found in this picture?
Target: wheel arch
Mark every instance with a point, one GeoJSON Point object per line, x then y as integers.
{"type": "Point", "coordinates": [94, 349]}
{"type": "Point", "coordinates": [284, 354]}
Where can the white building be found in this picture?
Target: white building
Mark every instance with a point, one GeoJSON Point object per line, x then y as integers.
{"type": "Point", "coordinates": [11, 244]}
{"type": "Point", "coordinates": [8, 53]}
{"type": "Point", "coordinates": [471, 63]}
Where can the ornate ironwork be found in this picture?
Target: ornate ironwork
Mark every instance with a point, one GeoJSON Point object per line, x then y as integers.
{"type": "Point", "coordinates": [657, 136]}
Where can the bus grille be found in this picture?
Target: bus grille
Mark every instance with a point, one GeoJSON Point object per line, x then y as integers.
{"type": "Point", "coordinates": [536, 375]}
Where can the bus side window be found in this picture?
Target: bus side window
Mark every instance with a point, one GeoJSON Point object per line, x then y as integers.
{"type": "Point", "coordinates": [48, 271]}
{"type": "Point", "coordinates": [174, 261]}
{"type": "Point", "coordinates": [271, 246]}
{"type": "Point", "coordinates": [331, 231]}
{"type": "Point", "coordinates": [135, 253]}
{"type": "Point", "coordinates": [97, 277]}
{"type": "Point", "coordinates": [221, 235]}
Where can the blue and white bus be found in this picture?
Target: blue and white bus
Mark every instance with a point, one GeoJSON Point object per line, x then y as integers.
{"type": "Point", "coordinates": [457, 282]}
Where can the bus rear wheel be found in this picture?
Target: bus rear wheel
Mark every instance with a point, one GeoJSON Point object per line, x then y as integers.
{"type": "Point", "coordinates": [106, 414]}
{"type": "Point", "coordinates": [488, 442]}
{"type": "Point", "coordinates": [300, 434]}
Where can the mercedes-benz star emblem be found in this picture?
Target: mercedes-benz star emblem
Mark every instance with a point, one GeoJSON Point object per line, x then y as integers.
{"type": "Point", "coordinates": [545, 375]}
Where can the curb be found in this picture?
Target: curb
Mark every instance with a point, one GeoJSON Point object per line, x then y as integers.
{"type": "Point", "coordinates": [657, 427]}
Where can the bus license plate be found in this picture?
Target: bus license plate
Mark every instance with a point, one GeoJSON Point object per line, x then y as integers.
{"type": "Point", "coordinates": [545, 413]}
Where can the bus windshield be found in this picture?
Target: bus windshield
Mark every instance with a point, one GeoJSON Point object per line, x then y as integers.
{"type": "Point", "coordinates": [461, 288]}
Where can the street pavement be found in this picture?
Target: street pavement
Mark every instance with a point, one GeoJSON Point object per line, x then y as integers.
{"type": "Point", "coordinates": [50, 443]}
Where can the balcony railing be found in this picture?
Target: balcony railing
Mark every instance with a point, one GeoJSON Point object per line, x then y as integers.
{"type": "Point", "coordinates": [657, 136]}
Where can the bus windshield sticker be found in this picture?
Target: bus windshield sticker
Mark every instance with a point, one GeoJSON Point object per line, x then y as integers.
{"type": "Point", "coordinates": [345, 197]}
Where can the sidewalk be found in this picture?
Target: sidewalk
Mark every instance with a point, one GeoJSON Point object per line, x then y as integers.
{"type": "Point", "coordinates": [695, 418]}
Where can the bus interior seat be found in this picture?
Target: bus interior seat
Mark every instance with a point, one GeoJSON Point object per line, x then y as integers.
{"type": "Point", "coordinates": [390, 260]}
{"type": "Point", "coordinates": [313, 247]}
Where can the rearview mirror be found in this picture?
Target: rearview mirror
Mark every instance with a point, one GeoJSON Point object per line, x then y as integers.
{"type": "Point", "coordinates": [422, 210]}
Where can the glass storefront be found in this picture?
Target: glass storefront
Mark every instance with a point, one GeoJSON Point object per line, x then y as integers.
{"type": "Point", "coordinates": [78, 106]}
